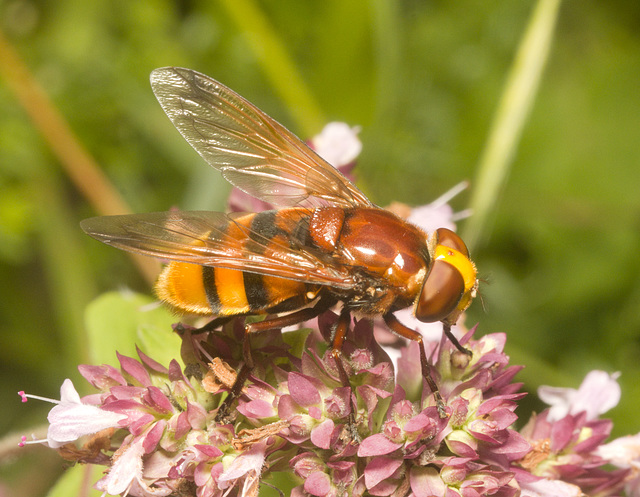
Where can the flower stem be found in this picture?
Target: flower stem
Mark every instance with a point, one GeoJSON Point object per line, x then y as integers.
{"type": "Point", "coordinates": [511, 115]}
{"type": "Point", "coordinates": [75, 160]}
{"type": "Point", "coordinates": [277, 64]}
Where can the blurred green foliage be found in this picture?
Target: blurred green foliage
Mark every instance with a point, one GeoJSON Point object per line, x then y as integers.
{"type": "Point", "coordinates": [422, 79]}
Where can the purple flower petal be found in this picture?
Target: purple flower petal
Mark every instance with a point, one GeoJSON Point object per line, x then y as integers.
{"type": "Point", "coordinates": [157, 400]}
{"type": "Point", "coordinates": [321, 435]}
{"type": "Point", "coordinates": [315, 412]}
{"type": "Point", "coordinates": [210, 451]}
{"type": "Point", "coordinates": [318, 484]}
{"type": "Point", "coordinates": [197, 415]}
{"type": "Point", "coordinates": [343, 472]}
{"type": "Point", "coordinates": [377, 445]}
{"type": "Point", "coordinates": [150, 363]}
{"type": "Point", "coordinates": [462, 444]}
{"type": "Point", "coordinates": [303, 390]}
{"type": "Point", "coordinates": [125, 393]}
{"type": "Point", "coordinates": [514, 446]}
{"type": "Point", "coordinates": [287, 407]}
{"type": "Point", "coordinates": [182, 425]}
{"type": "Point", "coordinates": [338, 405]}
{"type": "Point", "coordinates": [562, 432]}
{"type": "Point", "coordinates": [298, 431]}
{"type": "Point", "coordinates": [421, 422]}
{"type": "Point", "coordinates": [140, 422]}
{"type": "Point", "coordinates": [102, 377]}
{"type": "Point", "coordinates": [250, 460]}
{"type": "Point", "coordinates": [426, 482]}
{"type": "Point", "coordinates": [153, 437]}
{"type": "Point", "coordinates": [136, 370]}
{"type": "Point", "coordinates": [257, 408]}
{"type": "Point", "coordinates": [306, 463]}
{"type": "Point", "coordinates": [380, 468]}
{"type": "Point", "coordinates": [176, 374]}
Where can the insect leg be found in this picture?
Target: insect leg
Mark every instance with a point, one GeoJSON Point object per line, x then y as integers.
{"type": "Point", "coordinates": [342, 328]}
{"type": "Point", "coordinates": [296, 317]}
{"type": "Point", "coordinates": [213, 324]}
{"type": "Point", "coordinates": [454, 340]}
{"type": "Point", "coordinates": [404, 331]}
{"type": "Point", "coordinates": [339, 335]}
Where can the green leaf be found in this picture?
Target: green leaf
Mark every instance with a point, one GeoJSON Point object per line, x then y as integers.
{"type": "Point", "coordinates": [118, 321]}
{"type": "Point", "coordinates": [296, 340]}
{"type": "Point", "coordinates": [78, 480]}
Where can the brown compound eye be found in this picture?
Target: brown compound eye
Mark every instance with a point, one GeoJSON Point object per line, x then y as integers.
{"type": "Point", "coordinates": [450, 239]}
{"type": "Point", "coordinates": [441, 292]}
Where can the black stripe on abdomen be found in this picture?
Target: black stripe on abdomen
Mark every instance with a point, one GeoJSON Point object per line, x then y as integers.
{"type": "Point", "coordinates": [209, 281]}
{"type": "Point", "coordinates": [256, 292]}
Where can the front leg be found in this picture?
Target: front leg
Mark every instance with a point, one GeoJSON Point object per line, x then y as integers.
{"type": "Point", "coordinates": [406, 332]}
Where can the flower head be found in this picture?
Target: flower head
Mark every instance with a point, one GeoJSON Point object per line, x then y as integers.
{"type": "Point", "coordinates": [598, 393]}
{"type": "Point", "coordinates": [355, 422]}
{"type": "Point", "coordinates": [566, 438]}
{"type": "Point", "coordinates": [71, 418]}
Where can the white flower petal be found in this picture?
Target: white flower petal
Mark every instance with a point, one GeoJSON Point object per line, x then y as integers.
{"type": "Point", "coordinates": [560, 400]}
{"type": "Point", "coordinates": [71, 419]}
{"type": "Point", "coordinates": [623, 452]}
{"type": "Point", "coordinates": [598, 393]}
{"type": "Point", "coordinates": [68, 393]}
{"type": "Point", "coordinates": [431, 217]}
{"type": "Point", "coordinates": [126, 468]}
{"type": "Point", "coordinates": [547, 488]}
{"type": "Point", "coordinates": [337, 143]}
{"type": "Point", "coordinates": [251, 460]}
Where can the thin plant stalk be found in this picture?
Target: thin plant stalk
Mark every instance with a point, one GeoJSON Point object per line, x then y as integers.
{"type": "Point", "coordinates": [277, 64]}
{"type": "Point", "coordinates": [75, 160]}
{"type": "Point", "coordinates": [511, 116]}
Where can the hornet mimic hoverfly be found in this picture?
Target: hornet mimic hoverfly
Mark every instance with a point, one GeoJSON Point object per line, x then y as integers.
{"type": "Point", "coordinates": [327, 245]}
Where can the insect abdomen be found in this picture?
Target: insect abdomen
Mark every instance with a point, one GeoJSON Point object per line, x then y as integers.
{"type": "Point", "coordinates": [205, 290]}
{"type": "Point", "coordinates": [195, 289]}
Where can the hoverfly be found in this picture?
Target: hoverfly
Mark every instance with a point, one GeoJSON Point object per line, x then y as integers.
{"type": "Point", "coordinates": [328, 244]}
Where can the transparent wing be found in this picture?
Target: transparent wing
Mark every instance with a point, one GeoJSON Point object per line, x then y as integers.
{"type": "Point", "coordinates": [251, 150]}
{"type": "Point", "coordinates": [219, 240]}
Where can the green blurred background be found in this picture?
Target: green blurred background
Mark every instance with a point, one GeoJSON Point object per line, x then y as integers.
{"type": "Point", "coordinates": [422, 78]}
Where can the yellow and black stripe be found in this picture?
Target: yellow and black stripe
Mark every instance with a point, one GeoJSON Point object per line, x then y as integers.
{"type": "Point", "coordinates": [206, 290]}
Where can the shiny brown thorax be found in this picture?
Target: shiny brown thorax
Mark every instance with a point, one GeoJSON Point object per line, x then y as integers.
{"type": "Point", "coordinates": [389, 254]}
{"type": "Point", "coordinates": [388, 257]}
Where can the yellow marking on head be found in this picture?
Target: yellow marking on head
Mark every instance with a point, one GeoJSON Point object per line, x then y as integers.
{"type": "Point", "coordinates": [461, 262]}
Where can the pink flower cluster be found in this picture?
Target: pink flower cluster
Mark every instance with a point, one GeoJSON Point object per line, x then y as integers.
{"type": "Point", "coordinates": [160, 432]}
{"type": "Point", "coordinates": [295, 416]}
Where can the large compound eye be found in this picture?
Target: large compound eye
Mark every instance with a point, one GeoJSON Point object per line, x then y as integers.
{"type": "Point", "coordinates": [441, 292]}
{"type": "Point", "coordinates": [450, 239]}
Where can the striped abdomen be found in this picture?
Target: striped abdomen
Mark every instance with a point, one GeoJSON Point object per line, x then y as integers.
{"type": "Point", "coordinates": [219, 291]}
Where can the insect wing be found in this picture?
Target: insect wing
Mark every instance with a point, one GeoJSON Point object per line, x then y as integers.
{"type": "Point", "coordinates": [205, 238]}
{"type": "Point", "coordinates": [252, 151]}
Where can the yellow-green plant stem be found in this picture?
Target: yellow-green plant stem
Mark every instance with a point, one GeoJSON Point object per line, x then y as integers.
{"type": "Point", "coordinates": [76, 161]}
{"type": "Point", "coordinates": [511, 115]}
{"type": "Point", "coordinates": [278, 66]}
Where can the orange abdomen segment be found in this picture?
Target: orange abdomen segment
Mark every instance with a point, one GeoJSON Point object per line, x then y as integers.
{"type": "Point", "coordinates": [181, 286]}
{"type": "Point", "coordinates": [191, 288]}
